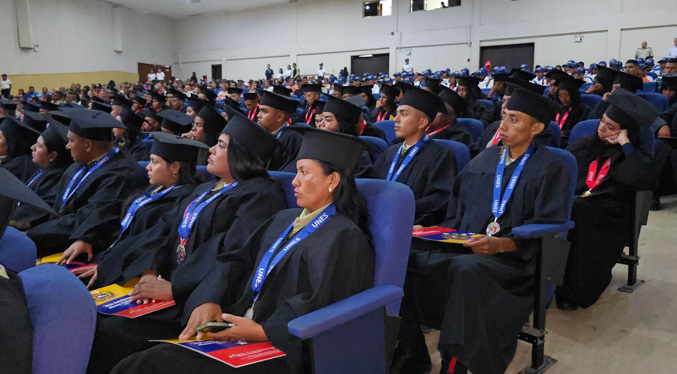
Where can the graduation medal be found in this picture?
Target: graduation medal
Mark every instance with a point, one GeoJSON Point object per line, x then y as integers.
{"type": "Point", "coordinates": [493, 228]}
{"type": "Point", "coordinates": [180, 254]}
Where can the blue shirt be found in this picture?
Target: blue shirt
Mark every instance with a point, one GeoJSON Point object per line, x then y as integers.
{"type": "Point", "coordinates": [269, 74]}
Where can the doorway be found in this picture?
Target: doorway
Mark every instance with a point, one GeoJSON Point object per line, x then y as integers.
{"type": "Point", "coordinates": [216, 72]}
{"type": "Point", "coordinates": [372, 64]}
{"type": "Point", "coordinates": [144, 69]}
{"type": "Point", "coordinates": [510, 56]}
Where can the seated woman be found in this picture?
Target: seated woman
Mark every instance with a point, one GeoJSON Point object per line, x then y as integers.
{"type": "Point", "coordinates": [611, 167]}
{"type": "Point", "coordinates": [573, 110]}
{"type": "Point", "coordinates": [51, 155]}
{"type": "Point", "coordinates": [388, 107]}
{"type": "Point", "coordinates": [16, 139]}
{"type": "Point", "coordinates": [470, 92]}
{"type": "Point", "coordinates": [171, 173]}
{"type": "Point", "coordinates": [186, 240]}
{"type": "Point", "coordinates": [206, 129]}
{"type": "Point", "coordinates": [128, 138]}
{"type": "Point", "coordinates": [307, 257]}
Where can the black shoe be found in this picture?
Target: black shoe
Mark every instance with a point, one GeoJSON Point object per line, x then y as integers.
{"type": "Point", "coordinates": [410, 360]}
{"type": "Point", "coordinates": [656, 204]}
{"type": "Point", "coordinates": [565, 304]}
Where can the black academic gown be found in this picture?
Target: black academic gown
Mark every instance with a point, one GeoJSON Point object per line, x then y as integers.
{"type": "Point", "coordinates": [543, 138]}
{"type": "Point", "coordinates": [81, 218]}
{"type": "Point", "coordinates": [138, 150]}
{"type": "Point", "coordinates": [21, 166]}
{"type": "Point", "coordinates": [602, 219]}
{"type": "Point", "coordinates": [457, 132]}
{"type": "Point", "coordinates": [478, 111]}
{"type": "Point", "coordinates": [44, 186]}
{"type": "Point", "coordinates": [373, 116]}
{"type": "Point", "coordinates": [480, 302]}
{"type": "Point", "coordinates": [331, 264]}
{"type": "Point", "coordinates": [599, 110]}
{"type": "Point", "coordinates": [231, 218]}
{"type": "Point", "coordinates": [430, 175]}
{"type": "Point", "coordinates": [122, 259]}
{"type": "Point", "coordinates": [286, 153]}
{"type": "Point", "coordinates": [16, 328]}
{"type": "Point", "coordinates": [577, 114]}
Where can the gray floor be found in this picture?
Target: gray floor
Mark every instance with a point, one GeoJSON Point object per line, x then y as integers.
{"type": "Point", "coordinates": [622, 333]}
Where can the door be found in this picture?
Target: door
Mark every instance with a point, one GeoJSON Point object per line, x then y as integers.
{"type": "Point", "coordinates": [216, 72]}
{"type": "Point", "coordinates": [510, 56]}
{"type": "Point", "coordinates": [144, 69]}
{"type": "Point", "coordinates": [372, 64]}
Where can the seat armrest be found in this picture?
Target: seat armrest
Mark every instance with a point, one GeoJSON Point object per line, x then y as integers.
{"type": "Point", "coordinates": [535, 230]}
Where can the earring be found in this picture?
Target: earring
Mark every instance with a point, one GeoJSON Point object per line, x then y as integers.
{"type": "Point", "coordinates": [176, 176]}
{"type": "Point", "coordinates": [330, 189]}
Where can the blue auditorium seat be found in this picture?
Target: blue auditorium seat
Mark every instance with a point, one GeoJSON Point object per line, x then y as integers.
{"type": "Point", "coordinates": [379, 145]}
{"type": "Point", "coordinates": [460, 151]}
{"type": "Point", "coordinates": [17, 250]}
{"type": "Point", "coordinates": [487, 104]}
{"type": "Point", "coordinates": [660, 101]}
{"type": "Point", "coordinates": [590, 100]}
{"type": "Point", "coordinates": [556, 134]}
{"type": "Point", "coordinates": [388, 127]}
{"type": "Point", "coordinates": [475, 126]}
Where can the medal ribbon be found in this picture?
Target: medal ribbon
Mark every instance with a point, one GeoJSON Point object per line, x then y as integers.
{"type": "Point", "coordinates": [35, 177]}
{"type": "Point", "coordinates": [496, 138]}
{"type": "Point", "coordinates": [279, 133]}
{"type": "Point", "coordinates": [252, 115]}
{"type": "Point", "coordinates": [195, 208]}
{"type": "Point", "coordinates": [496, 208]}
{"type": "Point", "coordinates": [410, 156]}
{"type": "Point", "coordinates": [564, 118]}
{"type": "Point", "coordinates": [139, 202]}
{"type": "Point", "coordinates": [438, 130]}
{"type": "Point", "coordinates": [381, 116]}
{"type": "Point", "coordinates": [268, 262]}
{"type": "Point", "coordinates": [593, 181]}
{"type": "Point", "coordinates": [310, 115]}
{"type": "Point", "coordinates": [70, 190]}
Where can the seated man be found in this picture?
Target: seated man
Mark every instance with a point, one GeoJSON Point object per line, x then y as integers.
{"type": "Point", "coordinates": [101, 175]}
{"type": "Point", "coordinates": [426, 167]}
{"type": "Point", "coordinates": [275, 111]}
{"type": "Point", "coordinates": [480, 294]}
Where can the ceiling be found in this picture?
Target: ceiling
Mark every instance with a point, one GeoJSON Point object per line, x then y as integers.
{"type": "Point", "coordinates": [185, 8]}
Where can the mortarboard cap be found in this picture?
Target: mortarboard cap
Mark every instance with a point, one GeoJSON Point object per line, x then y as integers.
{"type": "Point", "coordinates": [150, 113]}
{"type": "Point", "coordinates": [630, 110]}
{"type": "Point", "coordinates": [340, 150]}
{"type": "Point", "coordinates": [351, 90]}
{"type": "Point", "coordinates": [36, 121]}
{"type": "Point", "coordinates": [426, 102]}
{"type": "Point", "coordinates": [533, 87]}
{"type": "Point", "coordinates": [557, 75]}
{"type": "Point", "coordinates": [629, 82]}
{"type": "Point", "coordinates": [122, 101]}
{"type": "Point", "coordinates": [521, 74]}
{"type": "Point", "coordinates": [455, 101]}
{"type": "Point", "coordinates": [175, 121]}
{"type": "Point", "coordinates": [390, 91]}
{"type": "Point", "coordinates": [343, 109]}
{"type": "Point", "coordinates": [251, 136]}
{"type": "Point", "coordinates": [281, 90]}
{"type": "Point", "coordinates": [131, 120]}
{"type": "Point", "coordinates": [101, 106]}
{"type": "Point", "coordinates": [311, 87]}
{"type": "Point", "coordinates": [669, 81]}
{"type": "Point", "coordinates": [8, 104]}
{"type": "Point", "coordinates": [213, 120]}
{"type": "Point", "coordinates": [97, 99]}
{"type": "Point", "coordinates": [468, 81]}
{"type": "Point", "coordinates": [177, 94]}
{"type": "Point", "coordinates": [251, 95]}
{"type": "Point", "coordinates": [59, 116]}
{"type": "Point", "coordinates": [16, 191]}
{"type": "Point", "coordinates": [139, 99]}
{"type": "Point", "coordinates": [158, 96]}
{"type": "Point", "coordinates": [570, 84]}
{"type": "Point", "coordinates": [433, 85]}
{"type": "Point", "coordinates": [532, 104]}
{"type": "Point", "coordinates": [47, 106]}
{"type": "Point", "coordinates": [55, 137]}
{"type": "Point", "coordinates": [92, 124]}
{"type": "Point", "coordinates": [28, 107]}
{"type": "Point", "coordinates": [279, 102]}
{"type": "Point", "coordinates": [234, 90]}
{"type": "Point", "coordinates": [499, 77]}
{"type": "Point", "coordinates": [175, 147]}
{"type": "Point", "coordinates": [196, 103]}
{"type": "Point", "coordinates": [18, 133]}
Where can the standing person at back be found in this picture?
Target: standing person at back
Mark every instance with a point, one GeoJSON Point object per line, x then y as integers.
{"type": "Point", "coordinates": [160, 75]}
{"type": "Point", "coordinates": [152, 77]}
{"type": "Point", "coordinates": [407, 66]}
{"type": "Point", "coordinates": [644, 51]}
{"type": "Point", "coordinates": [320, 71]}
{"type": "Point", "coordinates": [295, 71]}
{"type": "Point", "coordinates": [673, 51]}
{"type": "Point", "coordinates": [6, 85]}
{"type": "Point", "coordinates": [269, 72]}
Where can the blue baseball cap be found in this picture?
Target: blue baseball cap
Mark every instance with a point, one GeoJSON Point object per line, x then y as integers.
{"type": "Point", "coordinates": [539, 70]}
{"type": "Point", "coordinates": [593, 66]}
{"type": "Point", "coordinates": [649, 61]}
{"type": "Point", "coordinates": [524, 67]}
{"type": "Point", "coordinates": [602, 64]}
{"type": "Point", "coordinates": [580, 70]}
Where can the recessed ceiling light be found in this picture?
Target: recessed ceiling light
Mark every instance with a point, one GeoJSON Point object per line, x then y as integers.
{"type": "Point", "coordinates": [192, 1]}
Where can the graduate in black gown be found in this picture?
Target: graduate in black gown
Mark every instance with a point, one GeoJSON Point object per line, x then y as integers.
{"type": "Point", "coordinates": [206, 129]}
{"type": "Point", "coordinates": [275, 111]}
{"type": "Point", "coordinates": [491, 135]}
{"type": "Point", "coordinates": [364, 127]}
{"type": "Point", "coordinates": [171, 173]}
{"type": "Point", "coordinates": [175, 122]}
{"type": "Point", "coordinates": [446, 125]}
{"type": "Point", "coordinates": [388, 106]}
{"type": "Point", "coordinates": [612, 165]}
{"type": "Point", "coordinates": [425, 166]}
{"type": "Point", "coordinates": [102, 175]}
{"type": "Point", "coordinates": [186, 240]}
{"type": "Point", "coordinates": [16, 139]}
{"type": "Point", "coordinates": [50, 153]}
{"type": "Point", "coordinates": [479, 294]}
{"type": "Point", "coordinates": [333, 260]}
{"type": "Point", "coordinates": [311, 93]}
{"type": "Point", "coordinates": [572, 110]}
{"type": "Point", "coordinates": [128, 139]}
{"type": "Point", "coordinates": [626, 81]}
{"type": "Point", "coordinates": [470, 92]}
{"type": "Point", "coordinates": [251, 101]}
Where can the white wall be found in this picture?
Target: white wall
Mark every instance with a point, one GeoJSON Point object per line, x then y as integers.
{"type": "Point", "coordinates": [77, 36]}
{"type": "Point", "coordinates": [330, 31]}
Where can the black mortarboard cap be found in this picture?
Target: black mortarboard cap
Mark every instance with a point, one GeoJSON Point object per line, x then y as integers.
{"type": "Point", "coordinates": [629, 82]}
{"type": "Point", "coordinates": [213, 120]}
{"type": "Point", "coordinates": [343, 109]}
{"type": "Point", "coordinates": [281, 90]}
{"type": "Point", "coordinates": [139, 99]}
{"type": "Point", "coordinates": [310, 87]}
{"type": "Point", "coordinates": [341, 150]}
{"type": "Point", "coordinates": [500, 77]}
{"type": "Point", "coordinates": [158, 96]}
{"type": "Point", "coordinates": [433, 84]}
{"type": "Point", "coordinates": [131, 120]}
{"type": "Point", "coordinates": [196, 103]}
{"type": "Point", "coordinates": [92, 124]}
{"type": "Point", "coordinates": [122, 101]}
{"type": "Point", "coordinates": [101, 106]}
{"type": "Point", "coordinates": [390, 91]}
{"type": "Point", "coordinates": [570, 84]}
{"type": "Point", "coordinates": [468, 81]}
{"type": "Point", "coordinates": [234, 90]}
{"type": "Point", "coordinates": [630, 110]}
{"type": "Point", "coordinates": [48, 106]}
{"type": "Point", "coordinates": [211, 95]}
{"type": "Point", "coordinates": [521, 74]}
{"type": "Point", "coordinates": [175, 121]}
{"type": "Point", "coordinates": [426, 102]}
{"type": "Point", "coordinates": [55, 136]}
{"type": "Point", "coordinates": [252, 136]}
{"type": "Point", "coordinates": [557, 75]}
{"type": "Point", "coordinates": [319, 107]}
{"type": "Point", "coordinates": [454, 100]}
{"type": "Point", "coordinates": [669, 81]}
{"type": "Point", "coordinates": [8, 104]}
{"type": "Point", "coordinates": [36, 121]}
{"type": "Point", "coordinates": [177, 94]}
{"type": "Point", "coordinates": [533, 87]}
{"type": "Point", "coordinates": [60, 116]}
{"type": "Point", "coordinates": [175, 147]}
{"type": "Point", "coordinates": [605, 76]}
{"type": "Point", "coordinates": [403, 87]}
{"type": "Point", "coordinates": [351, 90]}
{"type": "Point", "coordinates": [18, 133]}
{"type": "Point", "coordinates": [15, 190]}
{"type": "Point", "coordinates": [532, 104]}
{"type": "Point", "coordinates": [280, 102]}
{"type": "Point", "coordinates": [28, 107]}
{"type": "Point", "coordinates": [150, 113]}
{"type": "Point", "coordinates": [356, 100]}
{"type": "Point", "coordinates": [251, 95]}
{"type": "Point", "coordinates": [98, 99]}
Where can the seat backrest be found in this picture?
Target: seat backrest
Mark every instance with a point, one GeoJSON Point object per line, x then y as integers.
{"type": "Point", "coordinates": [17, 250]}
{"type": "Point", "coordinates": [583, 128]}
{"type": "Point", "coordinates": [201, 170]}
{"type": "Point", "coordinates": [299, 112]}
{"type": "Point", "coordinates": [63, 315]}
{"type": "Point", "coordinates": [377, 96]}
{"type": "Point", "coordinates": [660, 101]}
{"type": "Point", "coordinates": [590, 100]}
{"type": "Point", "coordinates": [556, 133]}
{"type": "Point", "coordinates": [301, 124]}
{"type": "Point", "coordinates": [487, 104]}
{"type": "Point", "coordinates": [475, 126]}
{"type": "Point", "coordinates": [392, 236]}
{"type": "Point", "coordinates": [388, 127]}
{"type": "Point", "coordinates": [485, 90]}
{"type": "Point", "coordinates": [649, 86]}
{"type": "Point", "coordinates": [584, 87]}
{"type": "Point", "coordinates": [547, 91]}
{"type": "Point", "coordinates": [148, 143]}
{"type": "Point", "coordinates": [572, 167]}
{"type": "Point", "coordinates": [379, 145]}
{"type": "Point", "coordinates": [460, 151]}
